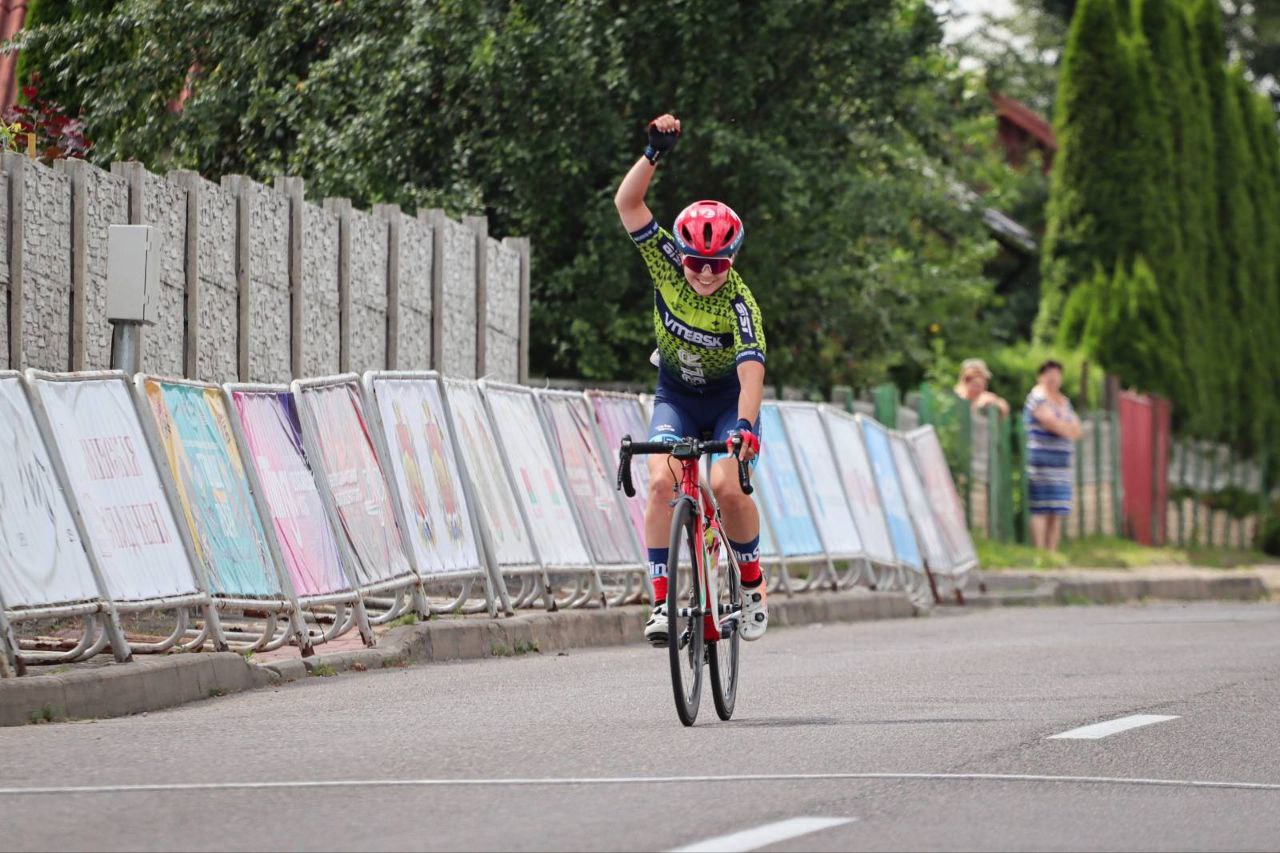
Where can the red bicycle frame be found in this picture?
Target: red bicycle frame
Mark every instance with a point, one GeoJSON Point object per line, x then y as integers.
{"type": "Point", "coordinates": [706, 559]}
{"type": "Point", "coordinates": [690, 453]}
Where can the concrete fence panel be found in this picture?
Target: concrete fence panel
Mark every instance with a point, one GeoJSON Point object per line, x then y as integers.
{"type": "Point", "coordinates": [213, 298]}
{"type": "Point", "coordinates": [502, 311]}
{"type": "Point", "coordinates": [409, 309]}
{"type": "Point", "coordinates": [162, 204]}
{"type": "Point", "coordinates": [313, 275]}
{"type": "Point", "coordinates": [369, 268]}
{"type": "Point", "coordinates": [99, 200]}
{"type": "Point", "coordinates": [262, 271]}
{"type": "Point", "coordinates": [257, 284]}
{"type": "Point", "coordinates": [455, 309]}
{"type": "Point", "coordinates": [39, 264]}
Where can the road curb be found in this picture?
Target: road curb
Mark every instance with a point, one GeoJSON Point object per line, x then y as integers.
{"type": "Point", "coordinates": [153, 683]}
{"type": "Point", "coordinates": [148, 684]}
{"type": "Point", "coordinates": [1039, 589]}
{"type": "Point", "coordinates": [114, 690]}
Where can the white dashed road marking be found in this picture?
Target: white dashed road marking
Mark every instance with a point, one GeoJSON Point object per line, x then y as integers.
{"type": "Point", "coordinates": [763, 836]}
{"type": "Point", "coordinates": [1110, 727]}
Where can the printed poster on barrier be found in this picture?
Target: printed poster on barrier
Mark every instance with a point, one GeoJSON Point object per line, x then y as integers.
{"type": "Point", "coordinates": [859, 486]}
{"type": "Point", "coordinates": [782, 490]}
{"type": "Point", "coordinates": [943, 497]}
{"type": "Point", "coordinates": [930, 538]}
{"type": "Point", "coordinates": [813, 457]}
{"type": "Point", "coordinates": [515, 419]}
{"type": "Point", "coordinates": [42, 560]}
{"type": "Point", "coordinates": [116, 484]}
{"type": "Point", "coordinates": [273, 440]}
{"type": "Point", "coordinates": [213, 489]}
{"type": "Point", "coordinates": [591, 488]}
{"type": "Point", "coordinates": [359, 492]}
{"type": "Point", "coordinates": [616, 417]}
{"type": "Point", "coordinates": [422, 461]}
{"type": "Point", "coordinates": [483, 459]}
{"type": "Point", "coordinates": [896, 514]}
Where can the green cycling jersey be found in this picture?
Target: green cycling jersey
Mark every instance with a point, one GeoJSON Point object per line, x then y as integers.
{"type": "Point", "coordinates": [701, 339]}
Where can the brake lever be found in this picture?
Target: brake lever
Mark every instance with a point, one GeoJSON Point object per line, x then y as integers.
{"type": "Point", "coordinates": [624, 468]}
{"type": "Point", "coordinates": [744, 471]}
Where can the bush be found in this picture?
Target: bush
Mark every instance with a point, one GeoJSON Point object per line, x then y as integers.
{"type": "Point", "coordinates": [58, 135]}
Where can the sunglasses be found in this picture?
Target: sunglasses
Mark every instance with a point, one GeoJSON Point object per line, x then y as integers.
{"type": "Point", "coordinates": [718, 266]}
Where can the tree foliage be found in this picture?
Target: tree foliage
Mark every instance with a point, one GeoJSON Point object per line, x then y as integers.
{"type": "Point", "coordinates": [1162, 236]}
{"type": "Point", "coordinates": [825, 124]}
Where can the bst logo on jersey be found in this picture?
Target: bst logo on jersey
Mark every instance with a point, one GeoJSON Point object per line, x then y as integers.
{"type": "Point", "coordinates": [746, 329]}
{"type": "Point", "coordinates": [669, 249]}
{"type": "Point", "coordinates": [691, 368]}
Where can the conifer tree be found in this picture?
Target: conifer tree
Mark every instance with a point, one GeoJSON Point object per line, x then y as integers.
{"type": "Point", "coordinates": [1155, 194]}
{"type": "Point", "coordinates": [1227, 260]}
{"type": "Point", "coordinates": [1180, 261]}
{"type": "Point", "coordinates": [1089, 218]}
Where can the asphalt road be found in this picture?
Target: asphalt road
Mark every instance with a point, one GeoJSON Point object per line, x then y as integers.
{"type": "Point", "coordinates": [579, 751]}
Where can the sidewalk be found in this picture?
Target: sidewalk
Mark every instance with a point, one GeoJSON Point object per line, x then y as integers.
{"type": "Point", "coordinates": [102, 688]}
{"type": "Point", "coordinates": [1005, 587]}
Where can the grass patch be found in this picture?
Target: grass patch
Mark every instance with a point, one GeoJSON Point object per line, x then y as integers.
{"type": "Point", "coordinates": [324, 670]}
{"type": "Point", "coordinates": [523, 648]}
{"type": "Point", "coordinates": [1226, 558]}
{"type": "Point", "coordinates": [406, 619]}
{"type": "Point", "coordinates": [394, 663]}
{"type": "Point", "coordinates": [1075, 599]}
{"type": "Point", "coordinates": [46, 714]}
{"type": "Point", "coordinates": [216, 692]}
{"type": "Point", "coordinates": [1107, 552]}
{"type": "Point", "coordinates": [498, 650]}
{"type": "Point", "coordinates": [1010, 555]}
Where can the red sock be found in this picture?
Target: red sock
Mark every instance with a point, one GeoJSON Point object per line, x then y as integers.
{"type": "Point", "coordinates": [750, 573]}
{"type": "Point", "coordinates": [660, 590]}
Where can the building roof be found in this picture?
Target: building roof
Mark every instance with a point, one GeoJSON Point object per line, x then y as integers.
{"type": "Point", "coordinates": [1026, 119]}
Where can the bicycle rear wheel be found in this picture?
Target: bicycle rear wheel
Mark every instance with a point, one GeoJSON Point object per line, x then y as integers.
{"type": "Point", "coordinates": [685, 641]}
{"type": "Point", "coordinates": [723, 654]}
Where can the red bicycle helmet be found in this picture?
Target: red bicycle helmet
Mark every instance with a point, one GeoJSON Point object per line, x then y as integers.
{"type": "Point", "coordinates": [708, 229]}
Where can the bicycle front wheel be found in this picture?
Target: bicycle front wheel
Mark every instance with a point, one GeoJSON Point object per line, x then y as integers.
{"type": "Point", "coordinates": [722, 655]}
{"type": "Point", "coordinates": [685, 640]}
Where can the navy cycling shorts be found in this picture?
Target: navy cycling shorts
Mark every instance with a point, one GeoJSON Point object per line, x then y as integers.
{"type": "Point", "coordinates": [680, 414]}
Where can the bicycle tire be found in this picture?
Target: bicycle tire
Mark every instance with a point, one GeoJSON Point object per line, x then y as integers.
{"type": "Point", "coordinates": [724, 655]}
{"type": "Point", "coordinates": [685, 641]}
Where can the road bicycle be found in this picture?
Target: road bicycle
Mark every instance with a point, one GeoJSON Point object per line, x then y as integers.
{"type": "Point", "coordinates": [703, 632]}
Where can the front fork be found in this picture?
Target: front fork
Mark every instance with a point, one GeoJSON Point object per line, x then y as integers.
{"type": "Point", "coordinates": [711, 540]}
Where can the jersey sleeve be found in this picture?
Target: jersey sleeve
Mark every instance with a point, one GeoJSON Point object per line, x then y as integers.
{"type": "Point", "coordinates": [748, 327]}
{"type": "Point", "coordinates": [658, 248]}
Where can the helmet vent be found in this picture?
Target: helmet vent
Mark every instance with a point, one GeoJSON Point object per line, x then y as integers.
{"type": "Point", "coordinates": [706, 235]}
{"type": "Point", "coordinates": [728, 236]}
{"type": "Point", "coordinates": [688, 235]}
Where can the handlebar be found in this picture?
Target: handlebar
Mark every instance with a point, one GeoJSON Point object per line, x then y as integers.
{"type": "Point", "coordinates": [686, 448]}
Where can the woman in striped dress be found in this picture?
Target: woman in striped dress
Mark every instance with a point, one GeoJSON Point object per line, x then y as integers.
{"type": "Point", "coordinates": [1052, 426]}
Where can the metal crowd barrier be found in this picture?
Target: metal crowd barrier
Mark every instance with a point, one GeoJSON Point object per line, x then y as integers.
{"type": "Point", "coordinates": [297, 513]}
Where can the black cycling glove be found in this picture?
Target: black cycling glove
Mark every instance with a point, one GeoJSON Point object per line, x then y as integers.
{"type": "Point", "coordinates": [660, 142]}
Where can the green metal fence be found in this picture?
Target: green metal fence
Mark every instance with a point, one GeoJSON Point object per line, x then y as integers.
{"type": "Point", "coordinates": [987, 454]}
{"type": "Point", "coordinates": [1216, 498]}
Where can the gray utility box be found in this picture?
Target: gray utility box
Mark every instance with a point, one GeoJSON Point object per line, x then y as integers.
{"type": "Point", "coordinates": [133, 273]}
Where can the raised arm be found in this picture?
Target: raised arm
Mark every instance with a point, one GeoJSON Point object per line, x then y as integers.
{"type": "Point", "coordinates": [629, 199]}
